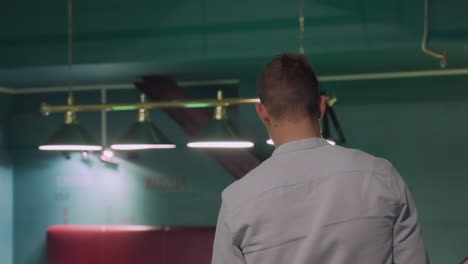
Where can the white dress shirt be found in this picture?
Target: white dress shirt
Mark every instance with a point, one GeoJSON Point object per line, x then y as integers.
{"type": "Point", "coordinates": [315, 203]}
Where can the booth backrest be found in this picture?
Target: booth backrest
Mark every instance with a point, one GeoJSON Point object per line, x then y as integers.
{"type": "Point", "coordinates": [78, 244]}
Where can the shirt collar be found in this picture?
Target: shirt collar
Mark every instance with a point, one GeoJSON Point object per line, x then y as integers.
{"type": "Point", "coordinates": [308, 143]}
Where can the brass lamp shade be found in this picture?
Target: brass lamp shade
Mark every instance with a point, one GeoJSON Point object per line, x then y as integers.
{"type": "Point", "coordinates": [219, 134]}
{"type": "Point", "coordinates": [70, 137]}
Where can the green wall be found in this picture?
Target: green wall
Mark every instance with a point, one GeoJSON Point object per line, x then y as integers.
{"type": "Point", "coordinates": [419, 124]}
{"type": "Point", "coordinates": [171, 187]}
{"type": "Point", "coordinates": [6, 188]}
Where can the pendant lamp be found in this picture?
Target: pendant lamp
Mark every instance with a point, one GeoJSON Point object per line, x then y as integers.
{"type": "Point", "coordinates": [143, 134]}
{"type": "Point", "coordinates": [71, 136]}
{"type": "Point", "coordinates": [218, 133]}
{"type": "Point", "coordinates": [330, 116]}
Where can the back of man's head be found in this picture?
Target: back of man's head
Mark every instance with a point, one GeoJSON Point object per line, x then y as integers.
{"type": "Point", "coordinates": [289, 88]}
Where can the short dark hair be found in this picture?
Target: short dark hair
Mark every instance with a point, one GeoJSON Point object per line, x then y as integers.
{"type": "Point", "coordinates": [288, 85]}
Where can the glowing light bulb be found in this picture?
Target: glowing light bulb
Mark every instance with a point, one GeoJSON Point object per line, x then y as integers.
{"type": "Point", "coordinates": [108, 154]}
{"type": "Point", "coordinates": [221, 144]}
{"type": "Point", "coordinates": [85, 155]}
{"type": "Point", "coordinates": [71, 147]}
{"type": "Point", "coordinates": [142, 146]}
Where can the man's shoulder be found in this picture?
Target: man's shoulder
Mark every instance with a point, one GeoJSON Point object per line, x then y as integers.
{"type": "Point", "coordinates": [243, 188]}
{"type": "Point", "coordinates": [362, 158]}
{"type": "Point", "coordinates": [334, 158]}
{"type": "Point", "coordinates": [369, 164]}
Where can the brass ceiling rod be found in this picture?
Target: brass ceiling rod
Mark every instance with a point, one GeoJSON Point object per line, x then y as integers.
{"type": "Point", "coordinates": [47, 109]}
{"type": "Point", "coordinates": [218, 103]}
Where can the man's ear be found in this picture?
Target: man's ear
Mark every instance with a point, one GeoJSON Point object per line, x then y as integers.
{"type": "Point", "coordinates": [263, 114]}
{"type": "Point", "coordinates": [322, 105]}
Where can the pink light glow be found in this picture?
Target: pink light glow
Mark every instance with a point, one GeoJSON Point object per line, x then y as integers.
{"type": "Point", "coordinates": [108, 153]}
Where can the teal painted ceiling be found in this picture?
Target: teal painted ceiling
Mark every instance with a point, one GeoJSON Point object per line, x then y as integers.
{"type": "Point", "coordinates": [119, 40]}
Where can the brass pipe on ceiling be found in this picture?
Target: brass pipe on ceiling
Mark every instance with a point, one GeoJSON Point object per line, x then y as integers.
{"type": "Point", "coordinates": [442, 56]}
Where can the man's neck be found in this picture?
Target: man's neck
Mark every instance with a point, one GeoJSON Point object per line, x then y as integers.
{"type": "Point", "coordinates": [287, 131]}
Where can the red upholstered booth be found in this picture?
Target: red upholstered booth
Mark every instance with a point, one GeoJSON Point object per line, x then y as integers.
{"type": "Point", "coordinates": [78, 244]}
